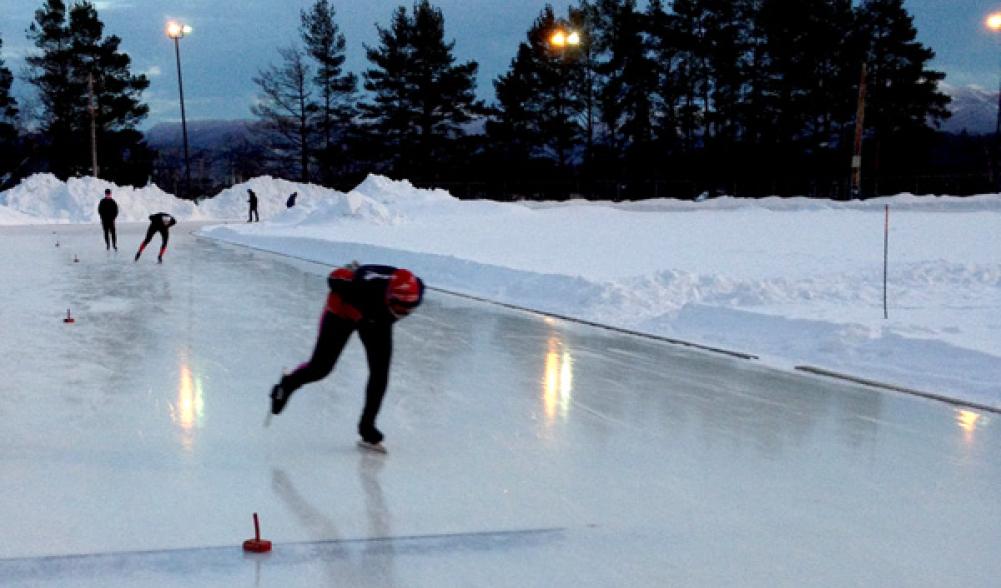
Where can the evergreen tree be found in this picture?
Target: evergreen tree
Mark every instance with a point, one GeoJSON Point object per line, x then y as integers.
{"type": "Point", "coordinates": [628, 77]}
{"type": "Point", "coordinates": [51, 74]}
{"type": "Point", "coordinates": [420, 96]}
{"type": "Point", "coordinates": [326, 45]}
{"type": "Point", "coordinates": [8, 124]}
{"type": "Point", "coordinates": [692, 77]}
{"type": "Point", "coordinates": [514, 129]}
{"type": "Point", "coordinates": [287, 109]}
{"type": "Point", "coordinates": [540, 102]}
{"type": "Point", "coordinates": [668, 60]}
{"type": "Point", "coordinates": [903, 95]}
{"type": "Point", "coordinates": [80, 68]}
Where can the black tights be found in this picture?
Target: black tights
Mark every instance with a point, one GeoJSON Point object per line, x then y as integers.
{"type": "Point", "coordinates": [164, 234]}
{"type": "Point", "coordinates": [334, 333]}
{"type": "Point", "coordinates": [110, 239]}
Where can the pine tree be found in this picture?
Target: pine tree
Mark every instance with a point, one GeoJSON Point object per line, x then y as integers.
{"type": "Point", "coordinates": [421, 97]}
{"type": "Point", "coordinates": [628, 77]}
{"type": "Point", "coordinates": [51, 73]}
{"type": "Point", "coordinates": [8, 123]}
{"type": "Point", "coordinates": [903, 94]}
{"type": "Point", "coordinates": [540, 99]}
{"type": "Point", "coordinates": [326, 45]}
{"type": "Point", "coordinates": [287, 109]}
{"type": "Point", "coordinates": [668, 60]}
{"type": "Point", "coordinates": [692, 78]}
{"type": "Point", "coordinates": [75, 57]}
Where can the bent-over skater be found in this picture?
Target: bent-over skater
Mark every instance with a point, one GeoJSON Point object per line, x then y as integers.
{"type": "Point", "coordinates": [158, 223]}
{"type": "Point", "coordinates": [367, 299]}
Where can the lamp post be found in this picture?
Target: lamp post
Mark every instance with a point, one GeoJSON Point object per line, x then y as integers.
{"type": "Point", "coordinates": [175, 31]}
{"type": "Point", "coordinates": [560, 41]}
{"type": "Point", "coordinates": [993, 22]}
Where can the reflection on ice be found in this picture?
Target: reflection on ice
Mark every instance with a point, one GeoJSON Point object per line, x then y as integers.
{"type": "Point", "coordinates": [557, 388]}
{"type": "Point", "coordinates": [969, 421]}
{"type": "Point", "coordinates": [188, 413]}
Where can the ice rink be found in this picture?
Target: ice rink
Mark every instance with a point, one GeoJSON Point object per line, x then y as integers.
{"type": "Point", "coordinates": [523, 450]}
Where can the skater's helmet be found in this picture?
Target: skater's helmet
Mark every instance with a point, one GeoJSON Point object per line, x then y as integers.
{"type": "Point", "coordinates": [404, 293]}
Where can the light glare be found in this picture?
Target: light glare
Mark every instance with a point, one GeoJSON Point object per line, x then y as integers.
{"type": "Point", "coordinates": [559, 39]}
{"type": "Point", "coordinates": [994, 21]}
{"type": "Point", "coordinates": [176, 30]}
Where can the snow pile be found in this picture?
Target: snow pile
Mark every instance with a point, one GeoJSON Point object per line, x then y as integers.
{"type": "Point", "coordinates": [44, 199]}
{"type": "Point", "coordinates": [796, 281]}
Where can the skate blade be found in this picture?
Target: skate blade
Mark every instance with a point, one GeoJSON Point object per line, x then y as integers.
{"type": "Point", "coordinates": [373, 447]}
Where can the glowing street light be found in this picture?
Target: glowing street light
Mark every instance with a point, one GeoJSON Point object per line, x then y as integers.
{"type": "Point", "coordinates": [175, 31]}
{"type": "Point", "coordinates": [993, 21]}
{"type": "Point", "coordinates": [561, 39]}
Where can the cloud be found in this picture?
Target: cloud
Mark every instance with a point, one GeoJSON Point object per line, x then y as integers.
{"type": "Point", "coordinates": [153, 71]}
{"type": "Point", "coordinates": [110, 5]}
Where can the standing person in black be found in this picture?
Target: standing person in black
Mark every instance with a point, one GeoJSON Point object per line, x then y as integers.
{"type": "Point", "coordinates": [252, 214]}
{"type": "Point", "coordinates": [158, 223]}
{"type": "Point", "coordinates": [367, 299]}
{"type": "Point", "coordinates": [107, 209]}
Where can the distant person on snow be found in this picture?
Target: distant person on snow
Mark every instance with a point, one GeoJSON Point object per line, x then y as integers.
{"type": "Point", "coordinates": [107, 209]}
{"type": "Point", "coordinates": [367, 299]}
{"type": "Point", "coordinates": [291, 200]}
{"type": "Point", "coordinates": [158, 223]}
{"type": "Point", "coordinates": [252, 214]}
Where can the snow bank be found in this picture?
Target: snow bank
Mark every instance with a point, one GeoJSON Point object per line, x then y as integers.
{"type": "Point", "coordinates": [44, 199]}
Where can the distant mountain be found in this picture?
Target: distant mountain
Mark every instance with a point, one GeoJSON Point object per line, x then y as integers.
{"type": "Point", "coordinates": [974, 110]}
{"type": "Point", "coordinates": [202, 134]}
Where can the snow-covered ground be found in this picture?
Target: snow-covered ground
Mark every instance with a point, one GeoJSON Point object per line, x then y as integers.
{"type": "Point", "coordinates": [794, 281]}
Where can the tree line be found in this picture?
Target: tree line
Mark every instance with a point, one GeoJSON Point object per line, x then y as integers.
{"type": "Point", "coordinates": [738, 96]}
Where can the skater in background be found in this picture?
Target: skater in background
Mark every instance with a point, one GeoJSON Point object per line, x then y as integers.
{"type": "Point", "coordinates": [107, 209]}
{"type": "Point", "coordinates": [367, 299]}
{"type": "Point", "coordinates": [158, 223]}
{"type": "Point", "coordinates": [252, 213]}
{"type": "Point", "coordinates": [291, 200]}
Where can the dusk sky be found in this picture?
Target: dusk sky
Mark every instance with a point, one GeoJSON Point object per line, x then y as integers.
{"type": "Point", "coordinates": [233, 39]}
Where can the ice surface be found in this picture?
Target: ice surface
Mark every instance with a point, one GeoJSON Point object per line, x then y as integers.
{"type": "Point", "coordinates": [524, 451]}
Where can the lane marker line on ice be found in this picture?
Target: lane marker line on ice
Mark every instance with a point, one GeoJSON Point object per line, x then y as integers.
{"type": "Point", "coordinates": [911, 391]}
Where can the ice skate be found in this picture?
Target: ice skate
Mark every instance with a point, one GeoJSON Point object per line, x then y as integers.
{"type": "Point", "coordinates": [279, 398]}
{"type": "Point", "coordinates": [374, 447]}
{"type": "Point", "coordinates": [371, 438]}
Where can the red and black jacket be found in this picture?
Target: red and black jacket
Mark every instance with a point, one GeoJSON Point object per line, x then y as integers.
{"type": "Point", "coordinates": [361, 294]}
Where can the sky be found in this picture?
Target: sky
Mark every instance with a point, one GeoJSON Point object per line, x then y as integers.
{"type": "Point", "coordinates": [770, 277]}
{"type": "Point", "coordinates": [233, 39]}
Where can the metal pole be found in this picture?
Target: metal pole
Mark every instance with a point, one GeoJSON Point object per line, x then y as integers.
{"type": "Point", "coordinates": [92, 107]}
{"type": "Point", "coordinates": [184, 124]}
{"type": "Point", "coordinates": [856, 185]}
{"type": "Point", "coordinates": [886, 252]}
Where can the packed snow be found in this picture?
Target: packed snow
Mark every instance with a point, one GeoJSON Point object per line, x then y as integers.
{"type": "Point", "coordinates": [794, 281]}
